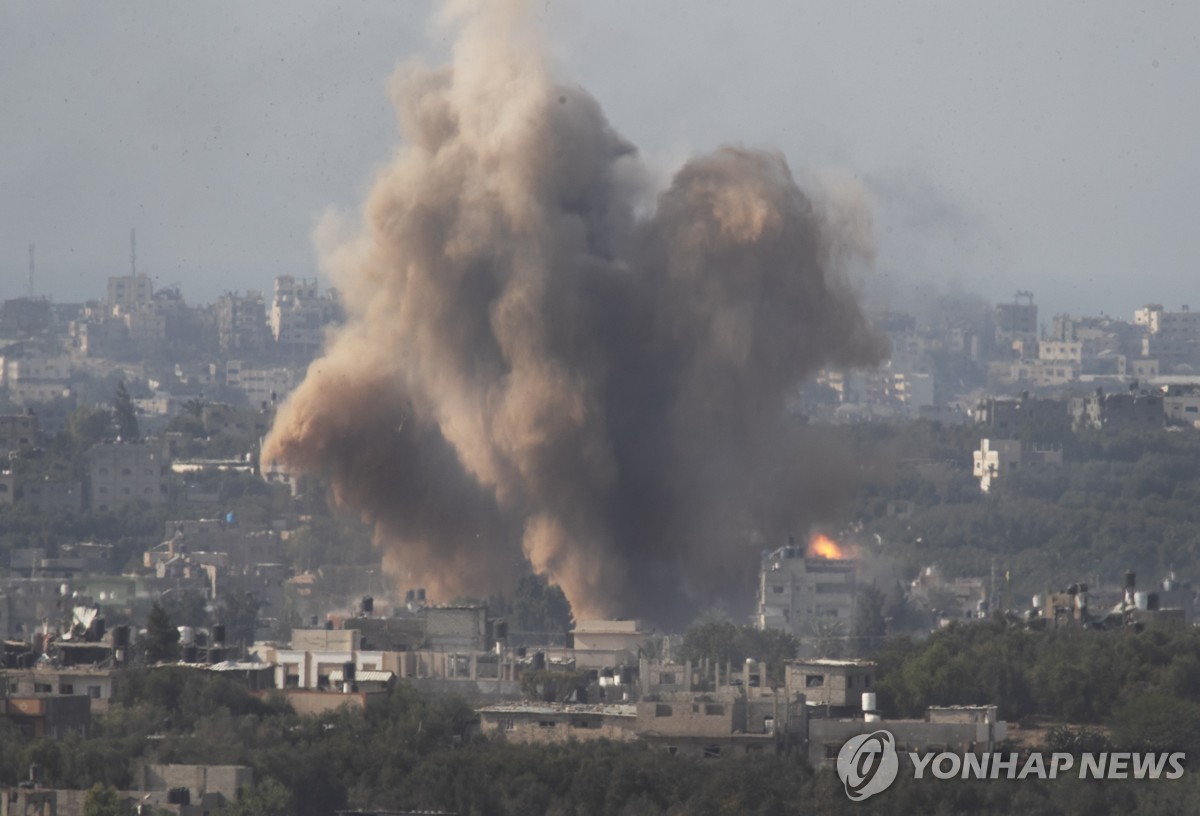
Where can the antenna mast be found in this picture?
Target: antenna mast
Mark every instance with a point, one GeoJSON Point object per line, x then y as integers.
{"type": "Point", "coordinates": [133, 251]}
{"type": "Point", "coordinates": [32, 248]}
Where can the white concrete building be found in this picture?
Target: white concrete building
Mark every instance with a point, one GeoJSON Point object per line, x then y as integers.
{"type": "Point", "coordinates": [800, 592]}
{"type": "Point", "coordinates": [994, 459]}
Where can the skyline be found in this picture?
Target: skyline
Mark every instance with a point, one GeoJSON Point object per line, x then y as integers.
{"type": "Point", "coordinates": [998, 145]}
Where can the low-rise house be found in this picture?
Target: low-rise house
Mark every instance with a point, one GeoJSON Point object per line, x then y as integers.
{"type": "Point", "coordinates": [96, 684]}
{"type": "Point", "coordinates": [600, 644]}
{"type": "Point", "coordinates": [960, 729]}
{"type": "Point", "coordinates": [46, 715]}
{"type": "Point", "coordinates": [559, 722]}
{"type": "Point", "coordinates": [728, 722]}
{"type": "Point", "coordinates": [830, 686]}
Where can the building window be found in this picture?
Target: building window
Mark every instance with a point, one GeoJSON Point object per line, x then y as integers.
{"type": "Point", "coordinates": [94, 692]}
{"type": "Point", "coordinates": [507, 725]}
{"type": "Point", "coordinates": [66, 688]}
{"type": "Point", "coordinates": [546, 723]}
{"type": "Point", "coordinates": [667, 678]}
{"type": "Point", "coordinates": [661, 710]}
{"type": "Point", "coordinates": [42, 688]}
{"type": "Point", "coordinates": [714, 709]}
{"type": "Point", "coordinates": [814, 680]}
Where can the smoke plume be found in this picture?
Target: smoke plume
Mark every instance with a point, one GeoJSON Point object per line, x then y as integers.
{"type": "Point", "coordinates": [536, 372]}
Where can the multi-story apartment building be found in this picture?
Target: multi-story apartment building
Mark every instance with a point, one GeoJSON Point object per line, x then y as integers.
{"type": "Point", "coordinates": [18, 432]}
{"type": "Point", "coordinates": [130, 291]}
{"type": "Point", "coordinates": [798, 591]}
{"type": "Point", "coordinates": [299, 315]}
{"type": "Point", "coordinates": [36, 379]}
{"type": "Point", "coordinates": [1173, 337]}
{"type": "Point", "coordinates": [1016, 322]}
{"type": "Point", "coordinates": [241, 322]}
{"type": "Point", "coordinates": [263, 387]}
{"type": "Point", "coordinates": [122, 472]}
{"type": "Point", "coordinates": [1102, 411]}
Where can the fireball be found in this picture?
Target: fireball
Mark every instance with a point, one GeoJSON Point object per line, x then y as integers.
{"type": "Point", "coordinates": [822, 546]}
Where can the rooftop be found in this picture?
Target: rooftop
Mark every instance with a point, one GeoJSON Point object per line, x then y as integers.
{"type": "Point", "coordinates": [560, 708]}
{"type": "Point", "coordinates": [363, 676]}
{"type": "Point", "coordinates": [607, 627]}
{"type": "Point", "coordinates": [828, 661]}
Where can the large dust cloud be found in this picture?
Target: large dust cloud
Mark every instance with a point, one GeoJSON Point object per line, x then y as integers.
{"type": "Point", "coordinates": [538, 370]}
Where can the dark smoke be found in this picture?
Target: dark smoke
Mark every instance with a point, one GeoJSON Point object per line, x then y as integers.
{"type": "Point", "coordinates": [533, 373]}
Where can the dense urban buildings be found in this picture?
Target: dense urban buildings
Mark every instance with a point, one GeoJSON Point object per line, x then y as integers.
{"type": "Point", "coordinates": [141, 405]}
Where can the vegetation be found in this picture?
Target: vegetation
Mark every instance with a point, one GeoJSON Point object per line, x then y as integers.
{"type": "Point", "coordinates": [161, 641]}
{"type": "Point", "coordinates": [418, 752]}
{"type": "Point", "coordinates": [1126, 500]}
{"type": "Point", "coordinates": [103, 800]}
{"type": "Point", "coordinates": [1120, 500]}
{"type": "Point", "coordinates": [536, 606]}
{"type": "Point", "coordinates": [124, 414]}
{"type": "Point", "coordinates": [1123, 678]}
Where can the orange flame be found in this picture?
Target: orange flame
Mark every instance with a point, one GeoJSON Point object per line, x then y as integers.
{"type": "Point", "coordinates": [823, 546]}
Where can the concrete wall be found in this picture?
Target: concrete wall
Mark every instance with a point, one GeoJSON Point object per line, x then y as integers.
{"type": "Point", "coordinates": [226, 780]}
{"type": "Point", "coordinates": [313, 640]}
{"type": "Point", "coordinates": [97, 686]}
{"type": "Point", "coordinates": [319, 702]}
{"type": "Point", "coordinates": [826, 737]}
{"type": "Point", "coordinates": [471, 689]}
{"type": "Point", "coordinates": [842, 682]}
{"type": "Point", "coordinates": [691, 715]}
{"type": "Point", "coordinates": [53, 717]}
{"type": "Point", "coordinates": [463, 627]}
{"type": "Point", "coordinates": [553, 727]}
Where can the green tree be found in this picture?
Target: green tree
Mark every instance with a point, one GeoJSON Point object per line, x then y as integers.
{"type": "Point", "coordinates": [869, 623]}
{"type": "Point", "coordinates": [162, 638]}
{"type": "Point", "coordinates": [1157, 722]}
{"type": "Point", "coordinates": [268, 798]}
{"type": "Point", "coordinates": [239, 611]}
{"type": "Point", "coordinates": [86, 426]}
{"type": "Point", "coordinates": [124, 414]}
{"type": "Point", "coordinates": [539, 606]}
{"type": "Point", "coordinates": [195, 407]}
{"type": "Point", "coordinates": [103, 800]}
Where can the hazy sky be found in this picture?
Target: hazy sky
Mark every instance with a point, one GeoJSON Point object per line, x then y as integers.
{"type": "Point", "coordinates": [1031, 145]}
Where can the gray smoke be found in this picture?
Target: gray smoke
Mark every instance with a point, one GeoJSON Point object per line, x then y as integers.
{"type": "Point", "coordinates": [532, 373]}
